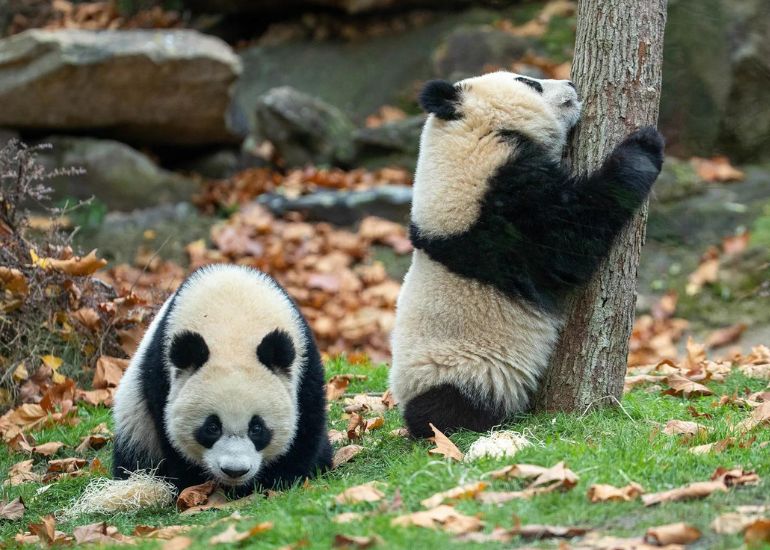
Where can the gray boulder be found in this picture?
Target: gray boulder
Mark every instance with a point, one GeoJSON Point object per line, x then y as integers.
{"type": "Point", "coordinates": [468, 50]}
{"type": "Point", "coordinates": [168, 87]}
{"type": "Point", "coordinates": [391, 202]}
{"type": "Point", "coordinates": [116, 174]}
{"type": "Point", "coordinates": [304, 130]}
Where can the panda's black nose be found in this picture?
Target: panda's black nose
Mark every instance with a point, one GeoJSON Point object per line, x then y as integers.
{"type": "Point", "coordinates": [234, 473]}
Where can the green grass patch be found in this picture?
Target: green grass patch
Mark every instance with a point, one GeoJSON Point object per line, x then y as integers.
{"type": "Point", "coordinates": [606, 446]}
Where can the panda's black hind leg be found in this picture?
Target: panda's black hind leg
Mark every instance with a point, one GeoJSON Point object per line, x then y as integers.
{"type": "Point", "coordinates": [449, 410]}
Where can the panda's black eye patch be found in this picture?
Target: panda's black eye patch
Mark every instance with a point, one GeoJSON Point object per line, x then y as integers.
{"type": "Point", "coordinates": [188, 350]}
{"type": "Point", "coordinates": [209, 432]}
{"type": "Point", "coordinates": [531, 83]}
{"type": "Point", "coordinates": [276, 351]}
{"type": "Point", "coordinates": [259, 433]}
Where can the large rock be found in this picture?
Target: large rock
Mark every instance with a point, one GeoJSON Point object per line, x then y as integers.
{"type": "Point", "coordinates": [116, 174]}
{"type": "Point", "coordinates": [469, 50]}
{"type": "Point", "coordinates": [304, 130]}
{"type": "Point", "coordinates": [169, 87]}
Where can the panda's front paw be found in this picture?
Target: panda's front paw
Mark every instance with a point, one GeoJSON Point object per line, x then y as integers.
{"type": "Point", "coordinates": [647, 141]}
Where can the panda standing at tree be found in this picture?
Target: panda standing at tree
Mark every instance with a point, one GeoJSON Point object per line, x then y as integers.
{"type": "Point", "coordinates": [502, 234]}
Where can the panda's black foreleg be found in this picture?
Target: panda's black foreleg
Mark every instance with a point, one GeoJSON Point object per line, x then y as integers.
{"type": "Point", "coordinates": [449, 410]}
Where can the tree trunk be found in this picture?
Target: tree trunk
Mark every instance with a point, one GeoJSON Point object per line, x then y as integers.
{"type": "Point", "coordinates": [617, 69]}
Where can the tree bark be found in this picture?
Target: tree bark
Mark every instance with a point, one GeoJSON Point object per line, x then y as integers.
{"type": "Point", "coordinates": [617, 69]}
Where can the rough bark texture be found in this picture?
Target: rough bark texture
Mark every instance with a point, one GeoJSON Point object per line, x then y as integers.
{"type": "Point", "coordinates": [617, 68]}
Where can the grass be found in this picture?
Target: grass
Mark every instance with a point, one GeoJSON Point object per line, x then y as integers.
{"type": "Point", "coordinates": [607, 446]}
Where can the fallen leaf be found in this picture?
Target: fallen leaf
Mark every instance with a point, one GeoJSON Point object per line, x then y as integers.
{"type": "Point", "coordinates": [336, 387]}
{"type": "Point", "coordinates": [534, 531]}
{"type": "Point", "coordinates": [684, 387]}
{"type": "Point", "coordinates": [443, 517]}
{"type": "Point", "coordinates": [725, 336]}
{"type": "Point", "coordinates": [518, 471]}
{"type": "Point", "coordinates": [77, 266]}
{"type": "Point", "coordinates": [108, 372]}
{"type": "Point", "coordinates": [716, 169]}
{"type": "Point", "coordinates": [13, 510]}
{"type": "Point", "coordinates": [368, 492]}
{"type": "Point", "coordinates": [232, 535]}
{"type": "Point", "coordinates": [735, 477]}
{"type": "Point", "coordinates": [177, 543]}
{"type": "Point", "coordinates": [164, 533]}
{"type": "Point", "coordinates": [356, 426]}
{"type": "Point", "coordinates": [706, 273]}
{"type": "Point", "coordinates": [374, 423]}
{"type": "Point", "coordinates": [556, 477]}
{"type": "Point", "coordinates": [444, 445]}
{"type": "Point", "coordinates": [345, 454]}
{"type": "Point", "coordinates": [757, 532]}
{"type": "Point", "coordinates": [195, 495]}
{"type": "Point", "coordinates": [698, 489]}
{"type": "Point", "coordinates": [99, 533]}
{"type": "Point", "coordinates": [735, 522]}
{"type": "Point", "coordinates": [336, 436]}
{"type": "Point", "coordinates": [684, 427]}
{"type": "Point", "coordinates": [362, 402]}
{"type": "Point", "coordinates": [92, 442]}
{"type": "Point", "coordinates": [609, 493]}
{"type": "Point", "coordinates": [760, 415]}
{"type": "Point", "coordinates": [348, 517]}
{"type": "Point", "coordinates": [66, 465]}
{"type": "Point", "coordinates": [633, 381]}
{"type": "Point", "coordinates": [400, 432]}
{"type": "Point", "coordinates": [13, 280]}
{"type": "Point", "coordinates": [716, 447]}
{"type": "Point", "coordinates": [47, 449]}
{"type": "Point", "coordinates": [21, 472]}
{"type": "Point", "coordinates": [674, 533]}
{"type": "Point", "coordinates": [470, 490]}
{"type": "Point", "coordinates": [388, 400]}
{"type": "Point", "coordinates": [350, 541]}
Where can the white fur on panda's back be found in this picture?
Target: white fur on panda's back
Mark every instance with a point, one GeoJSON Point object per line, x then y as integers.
{"type": "Point", "coordinates": [450, 329]}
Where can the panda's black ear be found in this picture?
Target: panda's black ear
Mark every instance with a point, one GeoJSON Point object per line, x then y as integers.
{"type": "Point", "coordinates": [276, 351]}
{"type": "Point", "coordinates": [188, 350]}
{"type": "Point", "coordinates": [441, 98]}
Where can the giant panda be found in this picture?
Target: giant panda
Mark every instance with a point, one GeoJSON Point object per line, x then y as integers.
{"type": "Point", "coordinates": [226, 384]}
{"type": "Point", "coordinates": [502, 234]}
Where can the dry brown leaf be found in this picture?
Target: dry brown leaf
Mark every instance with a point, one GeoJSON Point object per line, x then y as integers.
{"type": "Point", "coordinates": [534, 531]}
{"type": "Point", "coordinates": [716, 447]}
{"type": "Point", "coordinates": [99, 533]}
{"type": "Point", "coordinates": [441, 517]}
{"type": "Point", "coordinates": [735, 476]}
{"type": "Point", "coordinates": [163, 533]}
{"type": "Point", "coordinates": [388, 400]}
{"type": "Point", "coordinates": [66, 465]}
{"type": "Point", "coordinates": [13, 510]}
{"type": "Point", "coordinates": [13, 280]}
{"type": "Point", "coordinates": [631, 382]}
{"type": "Point", "coordinates": [77, 266]}
{"type": "Point", "coordinates": [444, 445]}
{"type": "Point", "coordinates": [368, 492]}
{"type": "Point", "coordinates": [756, 371]}
{"type": "Point", "coordinates": [93, 442]}
{"type": "Point", "coordinates": [374, 423]}
{"type": "Point", "coordinates": [470, 490]}
{"type": "Point", "coordinates": [232, 535]}
{"type": "Point", "coordinates": [760, 416]}
{"type": "Point", "coordinates": [725, 336]}
{"type": "Point", "coordinates": [177, 543]}
{"type": "Point", "coordinates": [96, 397]}
{"type": "Point", "coordinates": [706, 273]}
{"type": "Point", "coordinates": [47, 449]}
{"type": "Point", "coordinates": [400, 432]}
{"type": "Point", "coordinates": [351, 541]}
{"type": "Point", "coordinates": [735, 522]}
{"type": "Point", "coordinates": [21, 472]}
{"type": "Point", "coordinates": [501, 497]}
{"type": "Point", "coordinates": [684, 387]}
{"type": "Point", "coordinates": [345, 454]}
{"type": "Point", "coordinates": [556, 477]}
{"type": "Point", "coordinates": [609, 493]}
{"type": "Point", "coordinates": [698, 489]}
{"type": "Point", "coordinates": [348, 517]}
{"type": "Point", "coordinates": [362, 402]}
{"type": "Point", "coordinates": [88, 317]}
{"type": "Point", "coordinates": [518, 471]}
{"type": "Point", "coordinates": [735, 244]}
{"type": "Point", "coordinates": [716, 169]}
{"type": "Point", "coordinates": [109, 371]}
{"type": "Point", "coordinates": [684, 427]}
{"type": "Point", "coordinates": [336, 387]}
{"type": "Point", "coordinates": [336, 436]}
{"type": "Point", "coordinates": [46, 532]}
{"type": "Point", "coordinates": [356, 426]}
{"type": "Point", "coordinates": [195, 495]}
{"type": "Point", "coordinates": [757, 531]}
{"type": "Point", "coordinates": [674, 533]}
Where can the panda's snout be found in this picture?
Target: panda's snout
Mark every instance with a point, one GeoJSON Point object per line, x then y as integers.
{"type": "Point", "coordinates": [235, 473]}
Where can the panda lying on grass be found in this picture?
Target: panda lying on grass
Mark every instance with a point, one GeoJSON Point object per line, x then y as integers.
{"type": "Point", "coordinates": [227, 384]}
{"type": "Point", "coordinates": [502, 233]}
